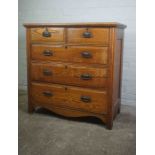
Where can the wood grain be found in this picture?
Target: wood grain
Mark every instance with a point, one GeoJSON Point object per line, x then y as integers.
{"type": "Point", "coordinates": [57, 35]}
{"type": "Point", "coordinates": [28, 53]}
{"type": "Point", "coordinates": [87, 24]}
{"type": "Point", "coordinates": [69, 74]}
{"type": "Point", "coordinates": [99, 55]}
{"type": "Point", "coordinates": [99, 35]}
{"type": "Point", "coordinates": [65, 96]}
{"type": "Point", "coordinates": [75, 71]}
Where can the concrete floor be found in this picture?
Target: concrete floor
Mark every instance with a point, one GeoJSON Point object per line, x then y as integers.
{"type": "Point", "coordinates": [45, 133]}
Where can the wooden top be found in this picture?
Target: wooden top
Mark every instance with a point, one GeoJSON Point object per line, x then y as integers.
{"type": "Point", "coordinates": [99, 24]}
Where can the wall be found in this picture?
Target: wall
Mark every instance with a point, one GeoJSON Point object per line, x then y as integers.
{"type": "Point", "coordinates": [123, 11]}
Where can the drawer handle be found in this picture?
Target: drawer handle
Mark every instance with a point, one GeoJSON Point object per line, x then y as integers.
{"type": "Point", "coordinates": [86, 54]}
{"type": "Point", "coordinates": [86, 99]}
{"type": "Point", "coordinates": [47, 93]}
{"type": "Point", "coordinates": [47, 72]}
{"type": "Point", "coordinates": [47, 53]}
{"type": "Point", "coordinates": [46, 33]}
{"type": "Point", "coordinates": [86, 76]}
{"type": "Point", "coordinates": [87, 34]}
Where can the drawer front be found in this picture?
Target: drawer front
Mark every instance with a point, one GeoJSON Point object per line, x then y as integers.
{"type": "Point", "coordinates": [69, 74]}
{"type": "Point", "coordinates": [48, 53]}
{"type": "Point", "coordinates": [66, 96]}
{"type": "Point", "coordinates": [87, 54]}
{"type": "Point", "coordinates": [88, 35]}
{"type": "Point", "coordinates": [47, 34]}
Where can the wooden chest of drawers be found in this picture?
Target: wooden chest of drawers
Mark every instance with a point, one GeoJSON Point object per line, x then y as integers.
{"type": "Point", "coordinates": [75, 69]}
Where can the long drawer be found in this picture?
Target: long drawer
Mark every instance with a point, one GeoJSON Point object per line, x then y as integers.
{"type": "Point", "coordinates": [67, 96]}
{"type": "Point", "coordinates": [82, 54]}
{"type": "Point", "coordinates": [71, 74]}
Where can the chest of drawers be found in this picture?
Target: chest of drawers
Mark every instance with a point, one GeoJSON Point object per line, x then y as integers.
{"type": "Point", "coordinates": [75, 69]}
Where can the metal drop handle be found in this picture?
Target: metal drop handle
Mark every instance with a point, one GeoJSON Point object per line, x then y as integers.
{"type": "Point", "coordinates": [47, 53]}
{"type": "Point", "coordinates": [86, 76]}
{"type": "Point", "coordinates": [46, 33]}
{"type": "Point", "coordinates": [87, 34]}
{"type": "Point", "coordinates": [47, 72]}
{"type": "Point", "coordinates": [47, 93]}
{"type": "Point", "coordinates": [86, 54]}
{"type": "Point", "coordinates": [85, 99]}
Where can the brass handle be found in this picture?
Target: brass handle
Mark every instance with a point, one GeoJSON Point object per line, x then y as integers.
{"type": "Point", "coordinates": [47, 53]}
{"type": "Point", "coordinates": [47, 72]}
{"type": "Point", "coordinates": [47, 93]}
{"type": "Point", "coordinates": [46, 33]}
{"type": "Point", "coordinates": [86, 54]}
{"type": "Point", "coordinates": [86, 99]}
{"type": "Point", "coordinates": [87, 34]}
{"type": "Point", "coordinates": [86, 76]}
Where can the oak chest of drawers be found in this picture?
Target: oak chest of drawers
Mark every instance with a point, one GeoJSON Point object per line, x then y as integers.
{"type": "Point", "coordinates": [75, 69]}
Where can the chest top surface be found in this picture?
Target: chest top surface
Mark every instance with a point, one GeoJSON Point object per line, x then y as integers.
{"type": "Point", "coordinates": [88, 24]}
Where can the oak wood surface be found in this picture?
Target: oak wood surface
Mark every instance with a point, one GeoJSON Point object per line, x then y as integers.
{"type": "Point", "coordinates": [69, 74]}
{"type": "Point", "coordinates": [28, 53]}
{"type": "Point", "coordinates": [98, 35]}
{"type": "Point", "coordinates": [57, 35]}
{"type": "Point", "coordinates": [75, 69]}
{"type": "Point", "coordinates": [98, 55]}
{"type": "Point", "coordinates": [66, 96]}
{"type": "Point", "coordinates": [87, 24]}
{"type": "Point", "coordinates": [71, 112]}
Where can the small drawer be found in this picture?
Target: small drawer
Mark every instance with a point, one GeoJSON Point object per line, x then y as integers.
{"type": "Point", "coordinates": [88, 36]}
{"type": "Point", "coordinates": [81, 54]}
{"type": "Point", "coordinates": [70, 74]}
{"type": "Point", "coordinates": [67, 96]}
{"type": "Point", "coordinates": [47, 34]}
